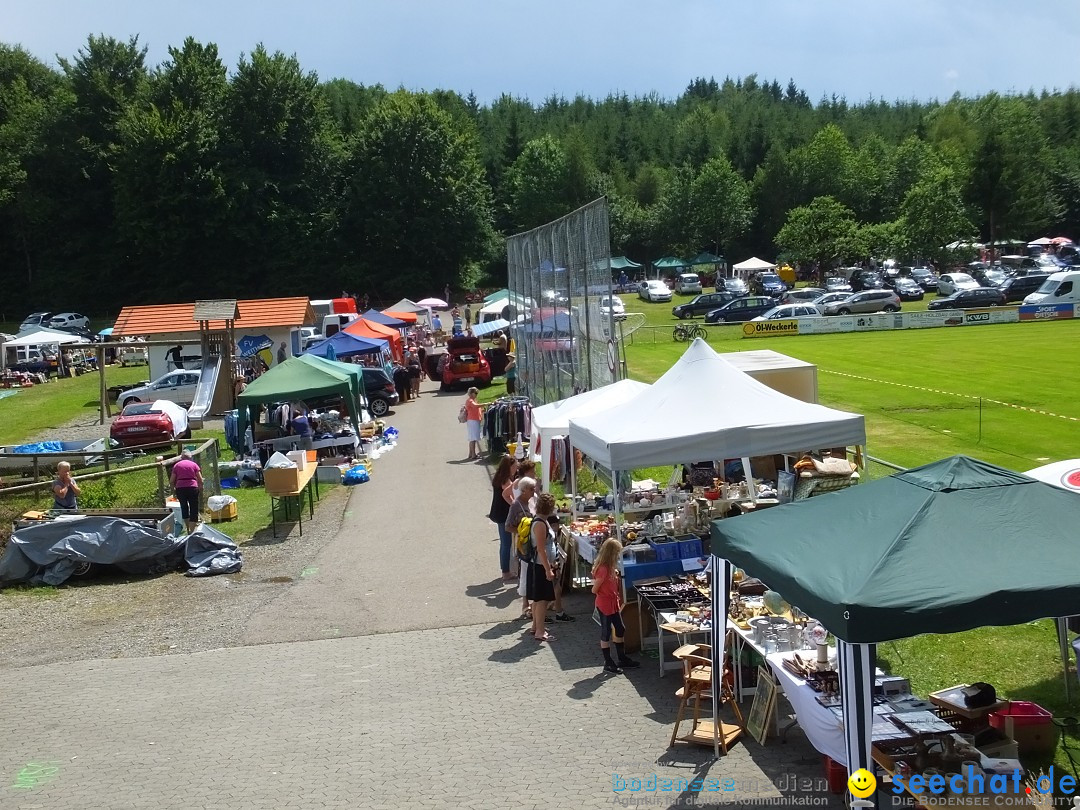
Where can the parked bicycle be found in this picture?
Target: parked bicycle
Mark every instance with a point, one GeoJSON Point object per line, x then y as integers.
{"type": "Point", "coordinates": [685, 332]}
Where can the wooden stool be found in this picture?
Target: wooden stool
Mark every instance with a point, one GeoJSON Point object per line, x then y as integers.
{"type": "Point", "coordinates": [697, 685]}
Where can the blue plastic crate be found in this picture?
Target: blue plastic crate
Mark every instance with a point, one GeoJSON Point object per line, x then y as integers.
{"type": "Point", "coordinates": [666, 548]}
{"type": "Point", "coordinates": [690, 547]}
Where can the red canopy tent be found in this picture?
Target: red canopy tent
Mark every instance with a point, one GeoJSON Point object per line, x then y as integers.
{"type": "Point", "coordinates": [362, 327]}
{"type": "Point", "coordinates": [408, 317]}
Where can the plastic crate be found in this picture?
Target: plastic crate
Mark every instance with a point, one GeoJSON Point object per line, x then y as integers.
{"type": "Point", "coordinates": [690, 547]}
{"type": "Point", "coordinates": [1029, 724]}
{"type": "Point", "coordinates": [666, 548]}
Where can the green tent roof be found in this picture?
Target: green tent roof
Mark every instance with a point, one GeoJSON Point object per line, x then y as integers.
{"type": "Point", "coordinates": [298, 379]}
{"type": "Point", "coordinates": [496, 296]}
{"type": "Point", "coordinates": [623, 263]}
{"type": "Point", "coordinates": [670, 262]}
{"type": "Point", "coordinates": [946, 547]}
{"type": "Point", "coordinates": [706, 258]}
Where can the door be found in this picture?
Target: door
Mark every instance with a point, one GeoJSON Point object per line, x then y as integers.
{"type": "Point", "coordinates": [185, 389]}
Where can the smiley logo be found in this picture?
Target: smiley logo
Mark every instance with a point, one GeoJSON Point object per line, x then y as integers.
{"type": "Point", "coordinates": [861, 783]}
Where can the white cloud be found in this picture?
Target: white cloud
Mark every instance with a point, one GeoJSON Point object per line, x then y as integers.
{"type": "Point", "coordinates": [952, 74]}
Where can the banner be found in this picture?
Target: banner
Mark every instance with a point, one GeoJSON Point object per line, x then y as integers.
{"type": "Point", "coordinates": [770, 328]}
{"type": "Point", "coordinates": [1047, 312]}
{"type": "Point", "coordinates": [878, 321]}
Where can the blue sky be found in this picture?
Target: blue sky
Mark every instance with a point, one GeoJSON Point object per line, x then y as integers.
{"type": "Point", "coordinates": [908, 49]}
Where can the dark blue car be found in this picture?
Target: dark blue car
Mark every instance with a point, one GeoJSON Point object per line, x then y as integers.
{"type": "Point", "coordinates": [768, 284]}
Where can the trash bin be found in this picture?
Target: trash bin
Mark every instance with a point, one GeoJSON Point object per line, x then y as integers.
{"type": "Point", "coordinates": [1029, 724]}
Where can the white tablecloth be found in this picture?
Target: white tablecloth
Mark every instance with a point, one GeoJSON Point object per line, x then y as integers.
{"type": "Point", "coordinates": [823, 728]}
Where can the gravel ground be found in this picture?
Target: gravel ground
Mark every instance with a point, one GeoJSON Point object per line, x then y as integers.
{"type": "Point", "coordinates": [106, 615]}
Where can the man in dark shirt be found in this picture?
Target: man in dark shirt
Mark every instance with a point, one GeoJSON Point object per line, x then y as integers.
{"type": "Point", "coordinates": [173, 356]}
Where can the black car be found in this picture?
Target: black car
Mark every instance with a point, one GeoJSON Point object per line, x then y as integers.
{"type": "Point", "coordinates": [867, 280]}
{"type": "Point", "coordinates": [768, 284]}
{"type": "Point", "coordinates": [381, 393]}
{"type": "Point", "coordinates": [741, 309]}
{"type": "Point", "coordinates": [979, 297]}
{"type": "Point", "coordinates": [732, 285]}
{"type": "Point", "coordinates": [925, 278]}
{"type": "Point", "coordinates": [1016, 288]}
{"type": "Point", "coordinates": [803, 295]}
{"type": "Point", "coordinates": [700, 304]}
{"type": "Point", "coordinates": [907, 289]}
{"type": "Point", "coordinates": [990, 276]}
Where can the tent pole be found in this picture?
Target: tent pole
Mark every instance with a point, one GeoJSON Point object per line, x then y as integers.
{"type": "Point", "coordinates": [855, 663]}
{"type": "Point", "coordinates": [751, 490]}
{"type": "Point", "coordinates": [1063, 646]}
{"type": "Point", "coordinates": [720, 592]}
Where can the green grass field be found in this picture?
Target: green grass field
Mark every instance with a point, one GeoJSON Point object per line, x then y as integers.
{"type": "Point", "coordinates": [1000, 393]}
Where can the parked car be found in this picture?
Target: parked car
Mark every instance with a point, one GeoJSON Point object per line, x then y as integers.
{"type": "Point", "coordinates": [732, 285]}
{"type": "Point", "coordinates": [829, 298]}
{"type": "Point", "coordinates": [654, 290]}
{"type": "Point", "coordinates": [787, 311]}
{"type": "Point", "coordinates": [768, 284]}
{"type": "Point", "coordinates": [925, 278]}
{"type": "Point", "coordinates": [465, 364]}
{"type": "Point", "coordinates": [866, 301]}
{"type": "Point", "coordinates": [907, 289]}
{"type": "Point", "coordinates": [176, 386]}
{"type": "Point", "coordinates": [949, 283]}
{"type": "Point", "coordinates": [867, 280]}
{"type": "Point", "coordinates": [614, 306]}
{"type": "Point", "coordinates": [741, 309]}
{"type": "Point", "coordinates": [35, 319]}
{"type": "Point", "coordinates": [1017, 288]}
{"type": "Point", "coordinates": [1059, 288]}
{"type": "Point", "coordinates": [963, 299]}
{"type": "Point", "coordinates": [688, 284]}
{"type": "Point", "coordinates": [807, 294]}
{"type": "Point", "coordinates": [990, 277]}
{"type": "Point", "coordinates": [700, 304]}
{"type": "Point", "coordinates": [382, 395]}
{"type": "Point", "coordinates": [837, 284]}
{"type": "Point", "coordinates": [149, 422]}
{"type": "Point", "coordinates": [68, 320]}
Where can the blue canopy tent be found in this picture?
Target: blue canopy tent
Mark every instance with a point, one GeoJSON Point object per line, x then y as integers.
{"type": "Point", "coordinates": [558, 323]}
{"type": "Point", "coordinates": [344, 344]}
{"type": "Point", "coordinates": [489, 327]}
{"type": "Point", "coordinates": [385, 320]}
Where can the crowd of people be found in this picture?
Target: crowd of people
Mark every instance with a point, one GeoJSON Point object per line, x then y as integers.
{"type": "Point", "coordinates": [531, 557]}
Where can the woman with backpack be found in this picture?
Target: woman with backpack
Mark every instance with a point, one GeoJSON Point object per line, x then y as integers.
{"type": "Point", "coordinates": [543, 565]}
{"type": "Point", "coordinates": [608, 590]}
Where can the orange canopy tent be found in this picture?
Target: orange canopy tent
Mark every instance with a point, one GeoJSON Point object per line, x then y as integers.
{"type": "Point", "coordinates": [362, 327]}
{"type": "Point", "coordinates": [408, 317]}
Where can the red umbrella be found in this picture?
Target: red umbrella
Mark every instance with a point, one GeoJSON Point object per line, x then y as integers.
{"type": "Point", "coordinates": [1061, 240]}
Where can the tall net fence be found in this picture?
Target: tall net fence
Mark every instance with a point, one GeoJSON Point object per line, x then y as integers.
{"type": "Point", "coordinates": [562, 323]}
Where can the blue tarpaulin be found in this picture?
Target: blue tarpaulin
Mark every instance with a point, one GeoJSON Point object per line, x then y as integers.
{"type": "Point", "coordinates": [385, 320]}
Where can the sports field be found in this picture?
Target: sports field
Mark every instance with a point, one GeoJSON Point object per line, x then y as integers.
{"type": "Point", "coordinates": [1004, 393]}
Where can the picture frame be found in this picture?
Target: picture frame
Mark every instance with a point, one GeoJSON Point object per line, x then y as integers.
{"type": "Point", "coordinates": [759, 719]}
{"type": "Point", "coordinates": [785, 486]}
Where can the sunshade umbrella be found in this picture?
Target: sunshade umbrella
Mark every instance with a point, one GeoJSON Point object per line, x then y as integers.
{"type": "Point", "coordinates": [434, 303]}
{"type": "Point", "coordinates": [106, 331]}
{"type": "Point", "coordinates": [1061, 240]}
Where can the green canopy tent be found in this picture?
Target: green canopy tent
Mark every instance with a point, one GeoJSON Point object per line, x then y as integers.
{"type": "Point", "coordinates": [354, 372]}
{"type": "Point", "coordinates": [707, 258]}
{"type": "Point", "coordinates": [670, 263]}
{"type": "Point", "coordinates": [935, 549]}
{"type": "Point", "coordinates": [623, 263]}
{"type": "Point", "coordinates": [298, 379]}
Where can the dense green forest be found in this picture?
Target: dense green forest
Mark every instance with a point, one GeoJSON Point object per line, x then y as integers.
{"type": "Point", "coordinates": [122, 182]}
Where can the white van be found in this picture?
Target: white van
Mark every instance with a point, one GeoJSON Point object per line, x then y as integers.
{"type": "Point", "coordinates": [1059, 288]}
{"type": "Point", "coordinates": [688, 284]}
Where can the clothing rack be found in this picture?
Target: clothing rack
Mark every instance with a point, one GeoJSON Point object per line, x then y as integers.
{"type": "Point", "coordinates": [504, 419]}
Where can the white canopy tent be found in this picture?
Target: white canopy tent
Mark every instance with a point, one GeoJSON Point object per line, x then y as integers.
{"type": "Point", "coordinates": [1064, 474]}
{"type": "Point", "coordinates": [553, 420]}
{"type": "Point", "coordinates": [740, 418]}
{"type": "Point", "coordinates": [45, 337]}
{"type": "Point", "coordinates": [751, 266]}
{"type": "Point", "coordinates": [405, 305]}
{"type": "Point", "coordinates": [492, 311]}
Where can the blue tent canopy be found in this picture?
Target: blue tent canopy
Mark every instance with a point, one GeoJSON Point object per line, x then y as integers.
{"type": "Point", "coordinates": [385, 320]}
{"type": "Point", "coordinates": [344, 344]}
{"type": "Point", "coordinates": [487, 327]}
{"type": "Point", "coordinates": [558, 323]}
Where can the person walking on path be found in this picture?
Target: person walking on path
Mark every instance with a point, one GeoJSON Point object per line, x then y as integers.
{"type": "Point", "coordinates": [543, 568]}
{"type": "Point", "coordinates": [510, 374]}
{"type": "Point", "coordinates": [468, 316]}
{"type": "Point", "coordinates": [608, 592]}
{"type": "Point", "coordinates": [65, 490]}
{"type": "Point", "coordinates": [473, 414]}
{"type": "Point", "coordinates": [523, 505]}
{"type": "Point", "coordinates": [187, 481]}
{"type": "Point", "coordinates": [502, 486]}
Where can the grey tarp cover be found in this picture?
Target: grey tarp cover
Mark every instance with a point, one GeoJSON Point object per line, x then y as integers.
{"type": "Point", "coordinates": [50, 552]}
{"type": "Point", "coordinates": [207, 551]}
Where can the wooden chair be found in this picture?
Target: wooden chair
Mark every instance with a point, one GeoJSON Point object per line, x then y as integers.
{"type": "Point", "coordinates": [697, 686]}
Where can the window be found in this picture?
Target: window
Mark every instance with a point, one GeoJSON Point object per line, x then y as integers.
{"type": "Point", "coordinates": [1064, 288]}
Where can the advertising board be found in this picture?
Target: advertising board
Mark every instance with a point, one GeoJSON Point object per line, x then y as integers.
{"type": "Point", "coordinates": [770, 328]}
{"type": "Point", "coordinates": [1046, 312]}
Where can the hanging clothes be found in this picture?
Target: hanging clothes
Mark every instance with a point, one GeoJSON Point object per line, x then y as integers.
{"type": "Point", "coordinates": [504, 419]}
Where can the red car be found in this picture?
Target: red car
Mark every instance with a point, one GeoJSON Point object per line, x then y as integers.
{"type": "Point", "coordinates": [149, 422]}
{"type": "Point", "coordinates": [464, 363]}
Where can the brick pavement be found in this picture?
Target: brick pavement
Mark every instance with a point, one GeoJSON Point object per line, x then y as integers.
{"type": "Point", "coordinates": [467, 711]}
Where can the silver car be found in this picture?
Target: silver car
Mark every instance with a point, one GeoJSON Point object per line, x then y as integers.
{"type": "Point", "coordinates": [866, 301]}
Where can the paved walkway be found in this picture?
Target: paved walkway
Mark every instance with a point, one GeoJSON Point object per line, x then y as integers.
{"type": "Point", "coordinates": [431, 696]}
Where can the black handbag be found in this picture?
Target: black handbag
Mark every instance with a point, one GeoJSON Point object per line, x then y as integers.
{"type": "Point", "coordinates": [979, 695]}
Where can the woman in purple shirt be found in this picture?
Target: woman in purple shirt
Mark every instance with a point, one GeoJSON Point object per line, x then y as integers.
{"type": "Point", "coordinates": [187, 481]}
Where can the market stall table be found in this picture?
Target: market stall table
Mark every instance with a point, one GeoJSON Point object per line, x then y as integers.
{"type": "Point", "coordinates": [306, 481]}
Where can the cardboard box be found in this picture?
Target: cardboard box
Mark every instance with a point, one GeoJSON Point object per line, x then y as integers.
{"type": "Point", "coordinates": [227, 512]}
{"type": "Point", "coordinates": [280, 481]}
{"type": "Point", "coordinates": [297, 457]}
